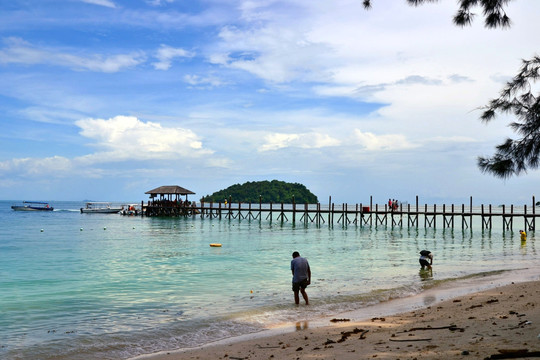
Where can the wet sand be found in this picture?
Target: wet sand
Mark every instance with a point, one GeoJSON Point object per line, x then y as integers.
{"type": "Point", "coordinates": [498, 323]}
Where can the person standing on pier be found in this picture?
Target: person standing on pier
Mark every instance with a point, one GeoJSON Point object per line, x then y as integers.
{"type": "Point", "coordinates": [301, 277]}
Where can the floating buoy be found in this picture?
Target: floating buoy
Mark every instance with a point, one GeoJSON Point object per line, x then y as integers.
{"type": "Point", "coordinates": [215, 245]}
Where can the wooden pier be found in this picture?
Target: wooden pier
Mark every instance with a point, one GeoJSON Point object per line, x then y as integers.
{"type": "Point", "coordinates": [362, 215]}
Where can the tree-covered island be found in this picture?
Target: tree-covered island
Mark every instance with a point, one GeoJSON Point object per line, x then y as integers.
{"type": "Point", "coordinates": [268, 191]}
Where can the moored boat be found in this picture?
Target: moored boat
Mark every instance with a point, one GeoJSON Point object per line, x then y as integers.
{"type": "Point", "coordinates": [131, 209]}
{"type": "Point", "coordinates": [33, 206]}
{"type": "Point", "coordinates": [101, 208]}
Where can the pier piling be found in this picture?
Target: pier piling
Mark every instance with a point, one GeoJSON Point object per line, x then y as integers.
{"type": "Point", "coordinates": [357, 215]}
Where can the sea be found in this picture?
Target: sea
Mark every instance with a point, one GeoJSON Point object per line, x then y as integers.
{"type": "Point", "coordinates": [107, 286]}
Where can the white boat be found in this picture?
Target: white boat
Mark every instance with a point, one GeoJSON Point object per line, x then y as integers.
{"type": "Point", "coordinates": [101, 208]}
{"type": "Point", "coordinates": [33, 206]}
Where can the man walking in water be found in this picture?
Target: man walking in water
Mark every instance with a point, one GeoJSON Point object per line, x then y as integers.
{"type": "Point", "coordinates": [301, 277]}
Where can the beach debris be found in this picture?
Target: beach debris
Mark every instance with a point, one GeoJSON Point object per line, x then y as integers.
{"type": "Point", "coordinates": [346, 334]}
{"type": "Point", "coordinates": [465, 352]}
{"type": "Point", "coordinates": [404, 340]}
{"type": "Point", "coordinates": [268, 347]}
{"type": "Point", "coordinates": [378, 318]}
{"type": "Point", "coordinates": [329, 341]}
{"type": "Point", "coordinates": [520, 324]}
{"type": "Point", "coordinates": [339, 320]}
{"type": "Point", "coordinates": [491, 301]}
{"type": "Point", "coordinates": [514, 354]}
{"type": "Point", "coordinates": [300, 349]}
{"type": "Point", "coordinates": [449, 327]}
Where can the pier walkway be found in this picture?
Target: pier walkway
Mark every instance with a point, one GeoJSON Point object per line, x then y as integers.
{"type": "Point", "coordinates": [406, 215]}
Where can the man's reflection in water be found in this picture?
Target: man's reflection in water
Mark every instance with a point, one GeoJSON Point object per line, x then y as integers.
{"type": "Point", "coordinates": [301, 325]}
{"type": "Point", "coordinates": [426, 274]}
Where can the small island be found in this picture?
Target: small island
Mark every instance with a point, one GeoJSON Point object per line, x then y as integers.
{"type": "Point", "coordinates": [267, 191]}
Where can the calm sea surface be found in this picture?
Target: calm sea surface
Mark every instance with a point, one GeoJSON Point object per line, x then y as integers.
{"type": "Point", "coordinates": [96, 286]}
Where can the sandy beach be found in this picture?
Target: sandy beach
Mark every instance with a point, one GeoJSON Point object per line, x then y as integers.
{"type": "Point", "coordinates": [499, 323]}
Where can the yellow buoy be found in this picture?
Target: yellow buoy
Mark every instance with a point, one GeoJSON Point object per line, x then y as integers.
{"type": "Point", "coordinates": [215, 245]}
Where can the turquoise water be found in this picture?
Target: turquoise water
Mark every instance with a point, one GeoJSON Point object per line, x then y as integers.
{"type": "Point", "coordinates": [98, 286]}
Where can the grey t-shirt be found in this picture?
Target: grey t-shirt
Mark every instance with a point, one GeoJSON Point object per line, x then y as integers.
{"type": "Point", "coordinates": [300, 267]}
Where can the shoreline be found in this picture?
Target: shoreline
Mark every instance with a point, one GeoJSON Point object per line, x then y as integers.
{"type": "Point", "coordinates": [468, 316]}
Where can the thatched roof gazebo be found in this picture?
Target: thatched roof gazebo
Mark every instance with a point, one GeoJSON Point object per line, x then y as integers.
{"type": "Point", "coordinates": [170, 192]}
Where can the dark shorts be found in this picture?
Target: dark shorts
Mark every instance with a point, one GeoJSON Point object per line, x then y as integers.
{"type": "Point", "coordinates": [424, 263]}
{"type": "Point", "coordinates": [296, 286]}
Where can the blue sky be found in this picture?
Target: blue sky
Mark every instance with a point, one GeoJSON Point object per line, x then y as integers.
{"type": "Point", "coordinates": [106, 99]}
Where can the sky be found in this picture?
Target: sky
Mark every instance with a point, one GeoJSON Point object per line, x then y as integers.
{"type": "Point", "coordinates": [107, 99]}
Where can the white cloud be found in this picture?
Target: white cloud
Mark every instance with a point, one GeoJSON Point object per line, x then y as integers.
{"type": "Point", "coordinates": [32, 167]}
{"type": "Point", "coordinates": [121, 139]}
{"type": "Point", "coordinates": [126, 137]}
{"type": "Point", "coordinates": [167, 54]}
{"type": "Point", "coordinates": [106, 3]}
{"type": "Point", "coordinates": [210, 81]}
{"type": "Point", "coordinates": [273, 53]}
{"type": "Point", "coordinates": [312, 140]}
{"type": "Point", "coordinates": [159, 2]}
{"type": "Point", "coordinates": [390, 142]}
{"type": "Point", "coordinates": [19, 51]}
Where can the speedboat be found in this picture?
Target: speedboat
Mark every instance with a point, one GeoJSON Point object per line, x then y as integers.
{"type": "Point", "coordinates": [33, 206]}
{"type": "Point", "coordinates": [101, 208]}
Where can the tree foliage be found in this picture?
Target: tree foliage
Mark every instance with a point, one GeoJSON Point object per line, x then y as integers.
{"type": "Point", "coordinates": [493, 11]}
{"type": "Point", "coordinates": [268, 191]}
{"type": "Point", "coordinates": [513, 156]}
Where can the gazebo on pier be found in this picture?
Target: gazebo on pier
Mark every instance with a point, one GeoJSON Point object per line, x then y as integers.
{"type": "Point", "coordinates": [167, 201]}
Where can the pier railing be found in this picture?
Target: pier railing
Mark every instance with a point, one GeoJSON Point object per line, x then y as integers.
{"type": "Point", "coordinates": [404, 215]}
